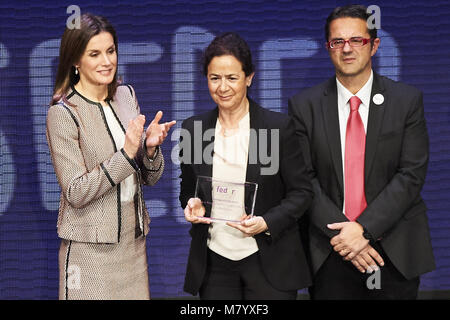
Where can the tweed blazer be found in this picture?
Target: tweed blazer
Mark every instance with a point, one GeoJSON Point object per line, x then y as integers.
{"type": "Point", "coordinates": [89, 168]}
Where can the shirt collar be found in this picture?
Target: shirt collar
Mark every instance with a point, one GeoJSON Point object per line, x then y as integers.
{"type": "Point", "coordinates": [363, 94]}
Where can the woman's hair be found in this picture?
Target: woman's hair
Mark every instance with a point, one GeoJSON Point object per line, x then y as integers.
{"type": "Point", "coordinates": [73, 45]}
{"type": "Point", "coordinates": [229, 43]}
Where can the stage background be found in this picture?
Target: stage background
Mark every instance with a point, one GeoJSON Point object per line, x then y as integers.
{"type": "Point", "coordinates": [159, 50]}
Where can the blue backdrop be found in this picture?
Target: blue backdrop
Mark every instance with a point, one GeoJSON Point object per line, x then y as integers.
{"type": "Point", "coordinates": [159, 49]}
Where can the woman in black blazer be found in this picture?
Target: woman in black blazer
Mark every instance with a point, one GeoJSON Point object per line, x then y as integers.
{"type": "Point", "coordinates": [260, 257]}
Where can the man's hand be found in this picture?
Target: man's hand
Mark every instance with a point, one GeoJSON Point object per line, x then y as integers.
{"type": "Point", "coordinates": [250, 226]}
{"type": "Point", "coordinates": [367, 260]}
{"type": "Point", "coordinates": [350, 241]}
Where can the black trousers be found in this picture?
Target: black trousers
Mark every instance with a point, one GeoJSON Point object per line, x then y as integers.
{"type": "Point", "coordinates": [338, 279]}
{"type": "Point", "coordinates": [238, 280]}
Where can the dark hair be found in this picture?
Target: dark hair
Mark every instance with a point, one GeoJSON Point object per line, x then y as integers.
{"type": "Point", "coordinates": [229, 43]}
{"type": "Point", "coordinates": [349, 11]}
{"type": "Point", "coordinates": [73, 45]}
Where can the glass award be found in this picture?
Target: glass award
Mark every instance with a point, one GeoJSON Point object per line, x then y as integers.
{"type": "Point", "coordinates": [226, 201]}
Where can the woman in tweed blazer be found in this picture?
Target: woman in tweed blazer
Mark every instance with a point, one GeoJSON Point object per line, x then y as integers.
{"type": "Point", "coordinates": [101, 156]}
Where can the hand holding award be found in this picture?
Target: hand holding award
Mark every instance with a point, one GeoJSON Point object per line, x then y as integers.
{"type": "Point", "coordinates": [224, 201]}
{"type": "Point", "coordinates": [250, 226]}
{"type": "Point", "coordinates": [195, 211]}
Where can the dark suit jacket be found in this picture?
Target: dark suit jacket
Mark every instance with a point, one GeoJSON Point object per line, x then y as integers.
{"type": "Point", "coordinates": [396, 160]}
{"type": "Point", "coordinates": [282, 198]}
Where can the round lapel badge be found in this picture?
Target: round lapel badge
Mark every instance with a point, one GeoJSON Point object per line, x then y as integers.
{"type": "Point", "coordinates": [378, 99]}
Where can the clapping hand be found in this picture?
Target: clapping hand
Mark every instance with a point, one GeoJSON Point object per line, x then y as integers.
{"type": "Point", "coordinates": [133, 135]}
{"type": "Point", "coordinates": [156, 133]}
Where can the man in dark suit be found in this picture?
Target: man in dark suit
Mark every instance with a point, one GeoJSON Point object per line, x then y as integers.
{"type": "Point", "coordinates": [365, 143]}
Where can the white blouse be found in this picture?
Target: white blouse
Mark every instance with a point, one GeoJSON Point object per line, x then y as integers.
{"type": "Point", "coordinates": [230, 164]}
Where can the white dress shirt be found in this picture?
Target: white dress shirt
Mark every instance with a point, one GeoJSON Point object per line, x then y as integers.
{"type": "Point", "coordinates": [344, 96]}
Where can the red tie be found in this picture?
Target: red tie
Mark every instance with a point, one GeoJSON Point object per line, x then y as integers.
{"type": "Point", "coordinates": [355, 144]}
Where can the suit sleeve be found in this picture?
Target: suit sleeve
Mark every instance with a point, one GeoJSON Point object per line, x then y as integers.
{"type": "Point", "coordinates": [405, 186]}
{"type": "Point", "coordinates": [78, 185]}
{"type": "Point", "coordinates": [188, 178]}
{"type": "Point", "coordinates": [297, 185]}
{"type": "Point", "coordinates": [323, 210]}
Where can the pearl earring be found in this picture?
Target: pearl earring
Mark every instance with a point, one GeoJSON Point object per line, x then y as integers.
{"type": "Point", "coordinates": [76, 70]}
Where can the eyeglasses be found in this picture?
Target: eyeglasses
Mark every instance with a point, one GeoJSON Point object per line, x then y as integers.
{"type": "Point", "coordinates": [353, 42]}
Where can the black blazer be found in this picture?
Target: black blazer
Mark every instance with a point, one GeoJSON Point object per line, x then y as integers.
{"type": "Point", "coordinates": [282, 198]}
{"type": "Point", "coordinates": [396, 162]}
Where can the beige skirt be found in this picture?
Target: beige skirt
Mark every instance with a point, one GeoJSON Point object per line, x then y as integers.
{"type": "Point", "coordinates": [116, 271]}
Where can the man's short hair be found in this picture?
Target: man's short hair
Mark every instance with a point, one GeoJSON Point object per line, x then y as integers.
{"type": "Point", "coordinates": [349, 11]}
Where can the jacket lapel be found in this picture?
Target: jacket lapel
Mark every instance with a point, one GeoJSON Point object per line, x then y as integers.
{"type": "Point", "coordinates": [122, 114]}
{"type": "Point", "coordinates": [201, 142]}
{"type": "Point", "coordinates": [253, 162]}
{"type": "Point", "coordinates": [208, 124]}
{"type": "Point", "coordinates": [376, 112]}
{"type": "Point", "coordinates": [331, 125]}
{"type": "Point", "coordinates": [253, 167]}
